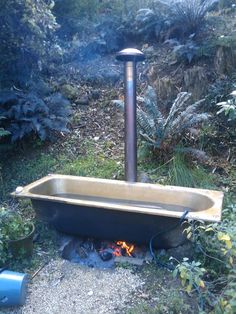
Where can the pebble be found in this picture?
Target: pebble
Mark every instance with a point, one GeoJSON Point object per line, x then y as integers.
{"type": "Point", "coordinates": [81, 290]}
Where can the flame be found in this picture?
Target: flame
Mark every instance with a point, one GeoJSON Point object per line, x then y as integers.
{"type": "Point", "coordinates": [129, 248]}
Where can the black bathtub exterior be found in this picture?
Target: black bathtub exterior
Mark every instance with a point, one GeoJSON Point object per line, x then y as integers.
{"type": "Point", "coordinates": [108, 224]}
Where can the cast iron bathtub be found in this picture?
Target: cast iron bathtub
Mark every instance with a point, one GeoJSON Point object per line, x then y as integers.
{"type": "Point", "coordinates": [118, 210]}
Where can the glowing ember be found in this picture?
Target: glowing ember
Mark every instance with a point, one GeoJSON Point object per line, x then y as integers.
{"type": "Point", "coordinates": [128, 248]}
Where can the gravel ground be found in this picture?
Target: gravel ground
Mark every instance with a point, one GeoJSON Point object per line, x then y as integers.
{"type": "Point", "coordinates": [64, 287]}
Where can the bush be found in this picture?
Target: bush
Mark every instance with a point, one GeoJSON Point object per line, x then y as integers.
{"type": "Point", "coordinates": [26, 28]}
{"type": "Point", "coordinates": [215, 248]}
{"type": "Point", "coordinates": [165, 133]}
{"type": "Point", "coordinates": [3, 132]}
{"type": "Point", "coordinates": [188, 16]}
{"type": "Point", "coordinates": [229, 107]}
{"type": "Point", "coordinates": [28, 114]}
{"type": "Point", "coordinates": [186, 52]}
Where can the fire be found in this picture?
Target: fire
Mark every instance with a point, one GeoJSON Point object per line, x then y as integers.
{"type": "Point", "coordinates": [128, 248]}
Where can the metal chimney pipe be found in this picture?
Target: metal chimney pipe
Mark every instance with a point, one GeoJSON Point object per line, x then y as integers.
{"type": "Point", "coordinates": [130, 57]}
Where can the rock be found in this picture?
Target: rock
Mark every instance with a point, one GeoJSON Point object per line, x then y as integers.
{"type": "Point", "coordinates": [67, 246]}
{"type": "Point", "coordinates": [105, 255]}
{"type": "Point", "coordinates": [83, 100]}
{"type": "Point", "coordinates": [130, 260]}
{"type": "Point", "coordinates": [185, 250]}
{"type": "Point", "coordinates": [90, 293]}
{"type": "Point", "coordinates": [81, 252]}
{"type": "Point", "coordinates": [143, 177]}
{"type": "Point", "coordinates": [95, 94]}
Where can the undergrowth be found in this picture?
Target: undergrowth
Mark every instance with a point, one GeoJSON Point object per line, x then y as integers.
{"type": "Point", "coordinates": [178, 171]}
{"type": "Point", "coordinates": [25, 170]}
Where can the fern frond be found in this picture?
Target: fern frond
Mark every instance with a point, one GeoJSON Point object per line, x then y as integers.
{"type": "Point", "coordinates": [179, 104]}
{"type": "Point", "coordinates": [150, 103]}
{"type": "Point", "coordinates": [145, 123]}
{"type": "Point", "coordinates": [193, 120]}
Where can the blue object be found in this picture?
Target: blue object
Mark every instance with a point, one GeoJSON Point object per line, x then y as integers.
{"type": "Point", "coordinates": [13, 288]}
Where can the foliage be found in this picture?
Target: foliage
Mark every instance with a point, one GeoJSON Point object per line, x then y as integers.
{"type": "Point", "coordinates": [75, 16]}
{"type": "Point", "coordinates": [160, 131]}
{"type": "Point", "coordinates": [229, 107]}
{"type": "Point", "coordinates": [215, 246]}
{"type": "Point", "coordinates": [31, 114]}
{"type": "Point", "coordinates": [26, 27]}
{"type": "Point", "coordinates": [220, 90]}
{"type": "Point", "coordinates": [180, 173]}
{"type": "Point", "coordinates": [3, 132]}
{"type": "Point", "coordinates": [191, 274]}
{"type": "Point", "coordinates": [166, 133]}
{"type": "Point", "coordinates": [186, 52]}
{"type": "Point", "coordinates": [12, 227]}
{"type": "Point", "coordinates": [189, 15]}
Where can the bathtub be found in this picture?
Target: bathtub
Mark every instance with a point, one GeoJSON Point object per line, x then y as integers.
{"type": "Point", "coordinates": [119, 210]}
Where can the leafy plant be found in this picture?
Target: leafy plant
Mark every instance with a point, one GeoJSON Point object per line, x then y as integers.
{"type": "Point", "coordinates": [3, 132]}
{"type": "Point", "coordinates": [215, 247]}
{"type": "Point", "coordinates": [186, 52]}
{"type": "Point", "coordinates": [191, 274]}
{"type": "Point", "coordinates": [12, 227]}
{"type": "Point", "coordinates": [31, 114]}
{"type": "Point", "coordinates": [228, 107]}
{"type": "Point", "coordinates": [26, 28]}
{"type": "Point", "coordinates": [188, 15]}
{"type": "Point", "coordinates": [165, 133]}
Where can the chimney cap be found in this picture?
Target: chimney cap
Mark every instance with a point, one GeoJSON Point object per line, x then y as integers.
{"type": "Point", "coordinates": [130, 54]}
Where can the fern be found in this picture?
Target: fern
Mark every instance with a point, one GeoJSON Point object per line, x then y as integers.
{"type": "Point", "coordinates": [160, 131]}
{"type": "Point", "coordinates": [188, 15]}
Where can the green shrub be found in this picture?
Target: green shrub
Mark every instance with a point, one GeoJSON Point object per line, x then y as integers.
{"type": "Point", "coordinates": [12, 227]}
{"type": "Point", "coordinates": [3, 132]}
{"type": "Point", "coordinates": [215, 248]}
{"type": "Point", "coordinates": [186, 52]}
{"type": "Point", "coordinates": [229, 107]}
{"type": "Point", "coordinates": [28, 114]}
{"type": "Point", "coordinates": [166, 133]}
{"type": "Point", "coordinates": [26, 27]}
{"type": "Point", "coordinates": [191, 274]}
{"type": "Point", "coordinates": [188, 15]}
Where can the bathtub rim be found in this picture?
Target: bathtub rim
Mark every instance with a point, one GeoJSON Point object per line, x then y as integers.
{"type": "Point", "coordinates": [212, 214]}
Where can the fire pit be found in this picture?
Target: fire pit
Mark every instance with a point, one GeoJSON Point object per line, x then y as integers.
{"type": "Point", "coordinates": [102, 254]}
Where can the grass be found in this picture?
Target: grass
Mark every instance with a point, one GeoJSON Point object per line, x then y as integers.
{"type": "Point", "coordinates": [22, 169]}
{"type": "Point", "coordinates": [179, 172]}
{"type": "Point", "coordinates": [92, 165]}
